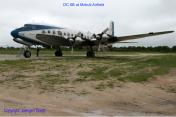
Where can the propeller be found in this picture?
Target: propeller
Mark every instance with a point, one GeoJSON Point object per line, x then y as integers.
{"type": "Point", "coordinates": [99, 38]}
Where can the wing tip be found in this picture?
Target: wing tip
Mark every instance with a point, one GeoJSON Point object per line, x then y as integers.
{"type": "Point", "coordinates": [164, 32]}
{"type": "Point", "coordinates": [170, 31]}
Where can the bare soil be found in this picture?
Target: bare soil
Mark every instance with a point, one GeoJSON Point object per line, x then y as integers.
{"type": "Point", "coordinates": [150, 98]}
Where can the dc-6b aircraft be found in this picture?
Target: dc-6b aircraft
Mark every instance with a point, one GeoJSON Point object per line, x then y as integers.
{"type": "Point", "coordinates": [57, 37]}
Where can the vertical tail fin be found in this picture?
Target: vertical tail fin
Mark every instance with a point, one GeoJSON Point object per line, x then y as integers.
{"type": "Point", "coordinates": [111, 29]}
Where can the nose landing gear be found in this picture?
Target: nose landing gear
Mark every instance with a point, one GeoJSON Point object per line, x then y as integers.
{"type": "Point", "coordinates": [24, 51]}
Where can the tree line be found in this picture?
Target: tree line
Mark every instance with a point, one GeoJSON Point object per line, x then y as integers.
{"type": "Point", "coordinates": [144, 49]}
{"type": "Point", "coordinates": [116, 49]}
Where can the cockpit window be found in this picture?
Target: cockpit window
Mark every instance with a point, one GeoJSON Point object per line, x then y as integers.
{"type": "Point", "coordinates": [33, 27]}
{"type": "Point", "coordinates": [26, 25]}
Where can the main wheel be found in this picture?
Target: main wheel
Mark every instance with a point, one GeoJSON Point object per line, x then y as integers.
{"type": "Point", "coordinates": [90, 54]}
{"type": "Point", "coordinates": [27, 54]}
{"type": "Point", "coordinates": [58, 53]}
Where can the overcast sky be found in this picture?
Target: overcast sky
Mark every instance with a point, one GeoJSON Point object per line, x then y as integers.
{"type": "Point", "coordinates": [130, 17]}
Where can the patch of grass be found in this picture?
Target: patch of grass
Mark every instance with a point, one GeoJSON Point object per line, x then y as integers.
{"type": "Point", "coordinates": [97, 73]}
{"type": "Point", "coordinates": [48, 82]}
{"type": "Point", "coordinates": [138, 77]}
{"type": "Point", "coordinates": [103, 85]}
{"type": "Point", "coordinates": [167, 61]}
{"type": "Point", "coordinates": [133, 69]}
{"type": "Point", "coordinates": [100, 87]}
{"type": "Point", "coordinates": [15, 64]}
{"type": "Point", "coordinates": [116, 72]}
{"type": "Point", "coordinates": [110, 84]}
{"type": "Point", "coordinates": [163, 65]}
{"type": "Point", "coordinates": [80, 66]}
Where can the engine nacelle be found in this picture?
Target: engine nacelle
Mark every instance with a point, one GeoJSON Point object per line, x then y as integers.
{"type": "Point", "coordinates": [105, 37]}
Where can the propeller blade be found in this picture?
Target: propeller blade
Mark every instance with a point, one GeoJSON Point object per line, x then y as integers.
{"type": "Point", "coordinates": [105, 31]}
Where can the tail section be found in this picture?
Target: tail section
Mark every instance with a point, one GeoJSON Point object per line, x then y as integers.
{"type": "Point", "coordinates": [111, 29]}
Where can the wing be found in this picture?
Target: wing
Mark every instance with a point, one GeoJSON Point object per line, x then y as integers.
{"type": "Point", "coordinates": [131, 37]}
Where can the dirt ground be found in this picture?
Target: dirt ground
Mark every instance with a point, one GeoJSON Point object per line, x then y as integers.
{"type": "Point", "coordinates": [154, 97]}
{"type": "Point", "coordinates": [149, 98]}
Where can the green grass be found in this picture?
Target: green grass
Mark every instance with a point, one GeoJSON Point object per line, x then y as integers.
{"type": "Point", "coordinates": [103, 85]}
{"type": "Point", "coordinates": [49, 81]}
{"type": "Point", "coordinates": [97, 73]}
{"type": "Point", "coordinates": [54, 72]}
{"type": "Point", "coordinates": [133, 69]}
{"type": "Point", "coordinates": [163, 65]}
{"type": "Point", "coordinates": [115, 72]}
{"type": "Point", "coordinates": [7, 65]}
{"type": "Point", "coordinates": [139, 77]}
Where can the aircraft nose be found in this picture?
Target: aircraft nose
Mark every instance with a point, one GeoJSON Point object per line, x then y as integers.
{"type": "Point", "coordinates": [14, 33]}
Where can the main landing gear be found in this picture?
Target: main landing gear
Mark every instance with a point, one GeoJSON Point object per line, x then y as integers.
{"type": "Point", "coordinates": [58, 53]}
{"type": "Point", "coordinates": [90, 52]}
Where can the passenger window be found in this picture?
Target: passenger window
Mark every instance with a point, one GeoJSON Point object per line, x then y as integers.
{"type": "Point", "coordinates": [49, 31]}
{"type": "Point", "coordinates": [54, 32]}
{"type": "Point", "coordinates": [60, 33]}
{"type": "Point", "coordinates": [64, 34]}
{"type": "Point", "coordinates": [72, 35]}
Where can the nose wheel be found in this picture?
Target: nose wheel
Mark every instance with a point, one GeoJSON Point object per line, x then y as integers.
{"type": "Point", "coordinates": [27, 54]}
